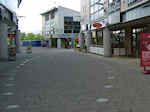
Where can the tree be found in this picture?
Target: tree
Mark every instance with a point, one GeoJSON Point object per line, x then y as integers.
{"type": "Point", "coordinates": [31, 36]}
{"type": "Point", "coordinates": [23, 36]}
{"type": "Point", "coordinates": [39, 37]}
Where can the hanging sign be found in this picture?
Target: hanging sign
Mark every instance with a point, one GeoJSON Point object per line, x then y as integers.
{"type": "Point", "coordinates": [12, 35]}
{"type": "Point", "coordinates": [97, 25]}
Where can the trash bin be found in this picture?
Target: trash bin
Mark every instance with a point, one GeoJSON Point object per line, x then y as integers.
{"type": "Point", "coordinates": [12, 53]}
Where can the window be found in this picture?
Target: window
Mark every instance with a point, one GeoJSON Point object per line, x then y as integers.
{"type": "Point", "coordinates": [110, 1]}
{"type": "Point", "coordinates": [132, 2]}
{"type": "Point", "coordinates": [92, 10]}
{"type": "Point", "coordinates": [52, 15]}
{"type": "Point", "coordinates": [68, 19]}
{"type": "Point", "coordinates": [92, 17]}
{"type": "Point", "coordinates": [76, 31]}
{"type": "Point", "coordinates": [67, 31]}
{"type": "Point", "coordinates": [47, 18]}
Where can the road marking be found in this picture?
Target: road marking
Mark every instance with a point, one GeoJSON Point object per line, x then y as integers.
{"type": "Point", "coordinates": [108, 86]}
{"type": "Point", "coordinates": [102, 100]}
{"type": "Point", "coordinates": [11, 78]}
{"type": "Point", "coordinates": [8, 94]}
{"type": "Point", "coordinates": [9, 107]}
{"type": "Point", "coordinates": [111, 78]}
{"type": "Point", "coordinates": [22, 64]}
{"type": "Point", "coordinates": [18, 67]}
{"type": "Point", "coordinates": [9, 85]}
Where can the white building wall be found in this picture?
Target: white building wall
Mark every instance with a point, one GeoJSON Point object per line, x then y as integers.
{"type": "Point", "coordinates": [62, 12]}
{"type": "Point", "coordinates": [137, 13]}
{"type": "Point", "coordinates": [85, 11]}
{"type": "Point", "coordinates": [59, 22]}
{"type": "Point", "coordinates": [43, 26]}
{"type": "Point", "coordinates": [125, 7]}
{"type": "Point", "coordinates": [114, 17]}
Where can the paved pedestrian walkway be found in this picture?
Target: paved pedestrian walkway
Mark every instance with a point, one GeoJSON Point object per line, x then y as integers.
{"type": "Point", "coordinates": [131, 88]}
{"type": "Point", "coordinates": [82, 81]}
{"type": "Point", "coordinates": [6, 65]}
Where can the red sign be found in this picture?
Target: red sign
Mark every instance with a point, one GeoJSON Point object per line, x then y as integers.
{"type": "Point", "coordinates": [11, 35]}
{"type": "Point", "coordinates": [145, 49]}
{"type": "Point", "coordinates": [98, 25]}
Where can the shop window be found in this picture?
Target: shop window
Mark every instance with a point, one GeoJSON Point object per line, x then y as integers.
{"type": "Point", "coordinates": [118, 38]}
{"type": "Point", "coordinates": [100, 38]}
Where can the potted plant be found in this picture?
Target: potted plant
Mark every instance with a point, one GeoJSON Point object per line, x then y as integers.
{"type": "Point", "coordinates": [29, 49]}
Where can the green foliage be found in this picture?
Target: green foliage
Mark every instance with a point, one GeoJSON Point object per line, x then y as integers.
{"type": "Point", "coordinates": [39, 37]}
{"type": "Point", "coordinates": [29, 47]}
{"type": "Point", "coordinates": [31, 36]}
{"type": "Point", "coordinates": [23, 36]}
{"type": "Point", "coordinates": [84, 47]}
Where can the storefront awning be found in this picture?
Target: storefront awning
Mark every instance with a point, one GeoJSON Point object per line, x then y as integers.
{"type": "Point", "coordinates": [141, 22]}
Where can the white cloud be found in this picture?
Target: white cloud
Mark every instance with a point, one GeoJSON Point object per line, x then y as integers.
{"type": "Point", "coordinates": [31, 9]}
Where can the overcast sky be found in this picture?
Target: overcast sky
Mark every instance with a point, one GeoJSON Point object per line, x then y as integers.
{"type": "Point", "coordinates": [31, 9]}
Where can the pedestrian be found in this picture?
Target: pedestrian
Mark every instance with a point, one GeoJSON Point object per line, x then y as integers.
{"type": "Point", "coordinates": [70, 44]}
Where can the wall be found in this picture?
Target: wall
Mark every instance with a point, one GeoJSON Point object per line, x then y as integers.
{"type": "Point", "coordinates": [60, 18]}
{"type": "Point", "coordinates": [43, 26]}
{"type": "Point", "coordinates": [125, 7]}
{"type": "Point", "coordinates": [114, 17]}
{"type": "Point", "coordinates": [85, 11]}
{"type": "Point", "coordinates": [136, 13]}
{"type": "Point", "coordinates": [96, 50]}
{"type": "Point", "coordinates": [114, 12]}
{"type": "Point", "coordinates": [58, 22]}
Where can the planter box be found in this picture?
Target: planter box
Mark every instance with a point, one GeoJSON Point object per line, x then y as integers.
{"type": "Point", "coordinates": [119, 51]}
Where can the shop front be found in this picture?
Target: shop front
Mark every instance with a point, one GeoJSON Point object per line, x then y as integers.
{"type": "Point", "coordinates": [97, 42]}
{"type": "Point", "coordinates": [126, 36]}
{"type": "Point", "coordinates": [118, 46]}
{"type": "Point", "coordinates": [63, 40]}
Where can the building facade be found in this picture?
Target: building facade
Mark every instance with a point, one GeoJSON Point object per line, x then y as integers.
{"type": "Point", "coordinates": [122, 23]}
{"type": "Point", "coordinates": [61, 25]}
{"type": "Point", "coordinates": [8, 25]}
{"type": "Point", "coordinates": [85, 14]}
{"type": "Point", "coordinates": [94, 36]}
{"type": "Point", "coordinates": [134, 19]}
{"type": "Point", "coordinates": [85, 21]}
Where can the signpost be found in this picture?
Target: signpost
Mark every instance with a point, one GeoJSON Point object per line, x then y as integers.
{"type": "Point", "coordinates": [145, 51]}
